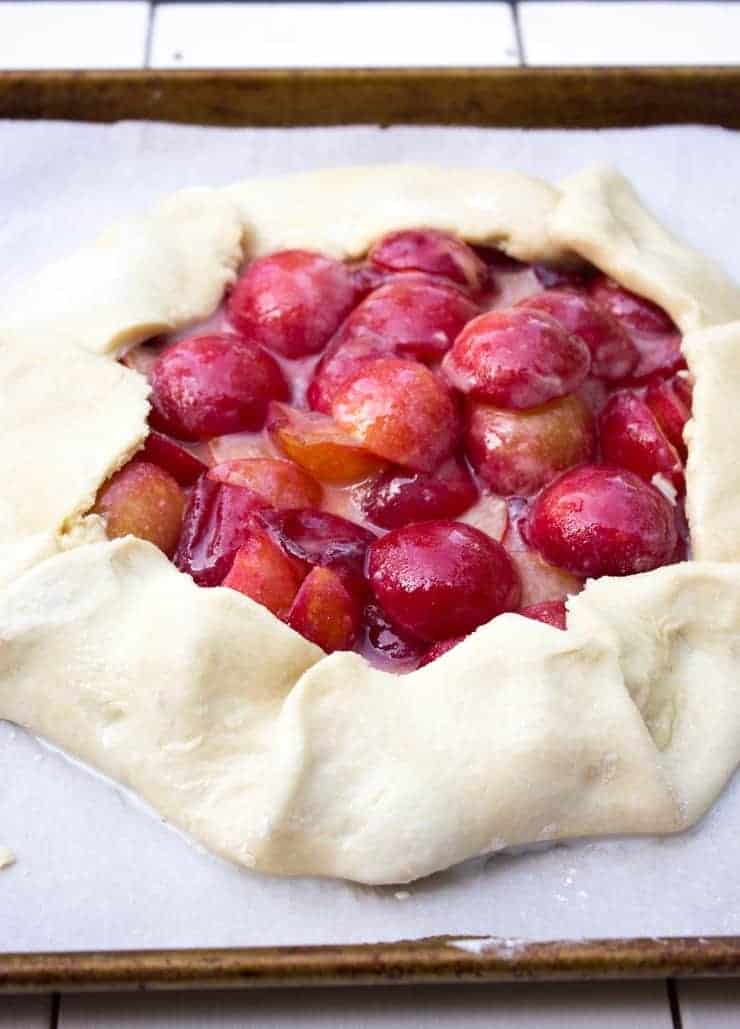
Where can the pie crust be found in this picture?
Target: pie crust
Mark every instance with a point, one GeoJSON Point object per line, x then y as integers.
{"type": "Point", "coordinates": [240, 731]}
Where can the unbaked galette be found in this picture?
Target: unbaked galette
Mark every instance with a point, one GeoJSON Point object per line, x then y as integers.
{"type": "Point", "coordinates": [370, 520]}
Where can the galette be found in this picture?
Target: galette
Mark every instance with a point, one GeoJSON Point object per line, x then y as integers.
{"type": "Point", "coordinates": [370, 520]}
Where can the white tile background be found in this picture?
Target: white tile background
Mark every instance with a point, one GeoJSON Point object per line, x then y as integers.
{"type": "Point", "coordinates": [107, 34]}
{"type": "Point", "coordinates": [268, 35]}
{"type": "Point", "coordinates": [630, 33]}
{"type": "Point", "coordinates": [135, 33]}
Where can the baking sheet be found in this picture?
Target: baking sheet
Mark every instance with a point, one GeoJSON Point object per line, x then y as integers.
{"type": "Point", "coordinates": [95, 869]}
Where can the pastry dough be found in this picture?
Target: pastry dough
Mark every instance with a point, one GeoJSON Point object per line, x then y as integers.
{"type": "Point", "coordinates": [243, 733]}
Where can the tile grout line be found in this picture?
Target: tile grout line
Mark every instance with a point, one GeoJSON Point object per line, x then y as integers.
{"type": "Point", "coordinates": [518, 36]}
{"type": "Point", "coordinates": [149, 36]}
{"type": "Point", "coordinates": [674, 1003]}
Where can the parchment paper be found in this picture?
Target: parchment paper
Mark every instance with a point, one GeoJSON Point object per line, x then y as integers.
{"type": "Point", "coordinates": [94, 868]}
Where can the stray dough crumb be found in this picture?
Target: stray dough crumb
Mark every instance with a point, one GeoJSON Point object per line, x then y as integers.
{"type": "Point", "coordinates": [7, 857]}
{"type": "Point", "coordinates": [402, 895]}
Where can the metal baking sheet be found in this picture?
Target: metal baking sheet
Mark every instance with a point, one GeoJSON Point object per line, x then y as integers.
{"type": "Point", "coordinates": [512, 97]}
{"type": "Point", "coordinates": [98, 874]}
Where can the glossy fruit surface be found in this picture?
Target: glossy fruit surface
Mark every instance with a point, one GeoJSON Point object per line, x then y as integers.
{"type": "Point", "coordinates": [292, 301]}
{"type": "Point", "coordinates": [396, 498]}
{"type": "Point", "coordinates": [635, 312]}
{"type": "Point", "coordinates": [212, 385]}
{"type": "Point", "coordinates": [441, 579]}
{"type": "Point", "coordinates": [325, 612]}
{"type": "Point", "coordinates": [388, 452]}
{"type": "Point", "coordinates": [316, 442]}
{"type": "Point", "coordinates": [180, 463]}
{"type": "Point", "coordinates": [516, 359]}
{"type": "Point", "coordinates": [551, 612]}
{"type": "Point", "coordinates": [400, 411]}
{"type": "Point", "coordinates": [433, 252]}
{"type": "Point", "coordinates": [670, 403]}
{"type": "Point", "coordinates": [418, 315]}
{"type": "Point", "coordinates": [142, 500]}
{"type": "Point", "coordinates": [657, 339]}
{"type": "Point", "coordinates": [319, 538]}
{"type": "Point", "coordinates": [412, 316]}
{"type": "Point", "coordinates": [518, 452]}
{"type": "Point", "coordinates": [599, 520]}
{"type": "Point", "coordinates": [630, 438]}
{"type": "Point", "coordinates": [388, 641]}
{"type": "Point", "coordinates": [613, 354]}
{"type": "Point", "coordinates": [218, 519]}
{"type": "Point", "coordinates": [342, 359]}
{"type": "Point", "coordinates": [262, 571]}
{"type": "Point", "coordinates": [279, 483]}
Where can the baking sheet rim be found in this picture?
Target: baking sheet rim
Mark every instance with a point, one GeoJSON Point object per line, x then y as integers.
{"type": "Point", "coordinates": [430, 960]}
{"type": "Point", "coordinates": [442, 959]}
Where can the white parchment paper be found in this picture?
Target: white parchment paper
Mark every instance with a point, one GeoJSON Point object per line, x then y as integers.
{"type": "Point", "coordinates": [94, 868]}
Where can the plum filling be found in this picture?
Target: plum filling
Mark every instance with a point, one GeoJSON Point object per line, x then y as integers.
{"type": "Point", "coordinates": [388, 454]}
